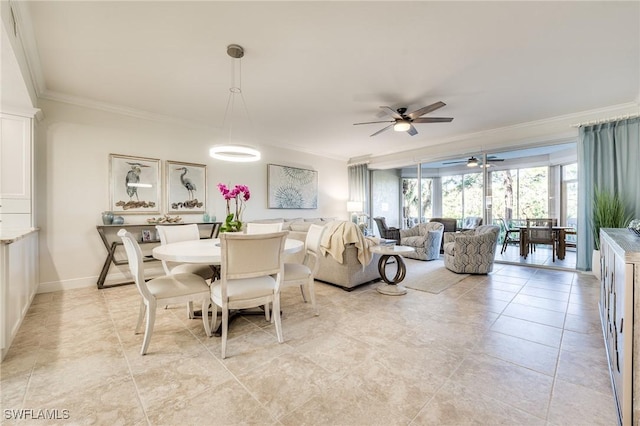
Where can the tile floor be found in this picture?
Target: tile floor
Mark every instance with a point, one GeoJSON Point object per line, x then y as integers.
{"type": "Point", "coordinates": [541, 257]}
{"type": "Point", "coordinates": [521, 346]}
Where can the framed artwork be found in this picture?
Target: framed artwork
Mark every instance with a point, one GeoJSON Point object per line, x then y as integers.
{"type": "Point", "coordinates": [134, 184]}
{"type": "Point", "coordinates": [186, 187]}
{"type": "Point", "coordinates": [291, 187]}
{"type": "Point", "coordinates": [146, 235]}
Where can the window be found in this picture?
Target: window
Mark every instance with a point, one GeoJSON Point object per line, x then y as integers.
{"type": "Point", "coordinates": [569, 195]}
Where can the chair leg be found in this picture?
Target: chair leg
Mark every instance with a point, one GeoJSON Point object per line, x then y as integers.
{"type": "Point", "coordinates": [304, 297]}
{"type": "Point", "coordinates": [312, 296]}
{"type": "Point", "coordinates": [151, 319]}
{"type": "Point", "coordinates": [143, 310]}
{"type": "Point", "coordinates": [214, 318]}
{"type": "Point", "coordinates": [225, 327]}
{"type": "Point", "coordinates": [276, 316]}
{"type": "Point", "coordinates": [190, 310]}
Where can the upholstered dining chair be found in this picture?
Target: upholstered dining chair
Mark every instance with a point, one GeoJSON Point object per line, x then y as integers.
{"type": "Point", "coordinates": [263, 228]}
{"type": "Point", "coordinates": [175, 234]}
{"type": "Point", "coordinates": [302, 274]}
{"type": "Point", "coordinates": [174, 288]}
{"type": "Point", "coordinates": [251, 275]}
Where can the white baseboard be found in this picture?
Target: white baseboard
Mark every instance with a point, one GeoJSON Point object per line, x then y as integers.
{"type": "Point", "coordinates": [116, 277]}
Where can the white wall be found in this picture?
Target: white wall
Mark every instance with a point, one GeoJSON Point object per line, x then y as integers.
{"type": "Point", "coordinates": [72, 182]}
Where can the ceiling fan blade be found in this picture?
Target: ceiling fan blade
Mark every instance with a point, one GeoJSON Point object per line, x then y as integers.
{"type": "Point", "coordinates": [425, 110]}
{"type": "Point", "coordinates": [393, 113]}
{"type": "Point", "coordinates": [383, 129]}
{"type": "Point", "coordinates": [374, 122]}
{"type": "Point", "coordinates": [412, 130]}
{"type": "Point", "coordinates": [433, 120]}
{"type": "Point", "coordinates": [495, 159]}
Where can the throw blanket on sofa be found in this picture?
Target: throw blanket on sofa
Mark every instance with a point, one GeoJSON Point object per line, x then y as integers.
{"type": "Point", "coordinates": [339, 233]}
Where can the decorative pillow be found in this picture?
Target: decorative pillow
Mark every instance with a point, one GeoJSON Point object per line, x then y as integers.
{"type": "Point", "coordinates": [301, 226]}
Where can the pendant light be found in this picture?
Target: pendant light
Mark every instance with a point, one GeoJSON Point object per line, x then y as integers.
{"type": "Point", "coordinates": [232, 152]}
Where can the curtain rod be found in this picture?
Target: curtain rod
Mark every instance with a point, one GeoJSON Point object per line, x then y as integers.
{"type": "Point", "coordinates": [606, 120]}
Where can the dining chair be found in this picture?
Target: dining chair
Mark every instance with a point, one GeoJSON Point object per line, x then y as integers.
{"type": "Point", "coordinates": [177, 233]}
{"type": "Point", "coordinates": [251, 272]}
{"type": "Point", "coordinates": [302, 274]}
{"type": "Point", "coordinates": [540, 231]}
{"type": "Point", "coordinates": [174, 288]}
{"type": "Point", "coordinates": [263, 228]}
{"type": "Point", "coordinates": [509, 235]}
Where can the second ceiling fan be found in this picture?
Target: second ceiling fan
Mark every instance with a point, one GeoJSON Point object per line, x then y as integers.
{"type": "Point", "coordinates": [474, 162]}
{"type": "Point", "coordinates": [404, 122]}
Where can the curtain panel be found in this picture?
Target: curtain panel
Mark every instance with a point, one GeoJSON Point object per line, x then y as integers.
{"type": "Point", "coordinates": [608, 159]}
{"type": "Point", "coordinates": [358, 175]}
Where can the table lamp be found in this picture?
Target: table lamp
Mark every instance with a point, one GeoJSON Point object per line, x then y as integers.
{"type": "Point", "coordinates": [354, 207]}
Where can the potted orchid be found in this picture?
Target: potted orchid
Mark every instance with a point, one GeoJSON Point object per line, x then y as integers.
{"type": "Point", "coordinates": [239, 194]}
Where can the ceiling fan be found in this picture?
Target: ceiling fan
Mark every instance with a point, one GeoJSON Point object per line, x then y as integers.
{"type": "Point", "coordinates": [404, 122]}
{"type": "Point", "coordinates": [474, 162]}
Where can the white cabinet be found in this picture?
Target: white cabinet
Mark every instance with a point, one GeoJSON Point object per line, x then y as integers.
{"type": "Point", "coordinates": [18, 282]}
{"type": "Point", "coordinates": [620, 255]}
{"type": "Point", "coordinates": [16, 171]}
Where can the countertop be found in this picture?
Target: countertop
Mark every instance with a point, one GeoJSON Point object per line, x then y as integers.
{"type": "Point", "coordinates": [8, 236]}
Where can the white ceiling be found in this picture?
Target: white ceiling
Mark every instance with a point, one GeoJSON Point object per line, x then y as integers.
{"type": "Point", "coordinates": [312, 69]}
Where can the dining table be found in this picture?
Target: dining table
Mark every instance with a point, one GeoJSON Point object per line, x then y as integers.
{"type": "Point", "coordinates": [560, 233]}
{"type": "Point", "coordinates": [207, 251]}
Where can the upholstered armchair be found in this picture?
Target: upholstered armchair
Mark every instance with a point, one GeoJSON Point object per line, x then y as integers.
{"type": "Point", "coordinates": [471, 252]}
{"type": "Point", "coordinates": [450, 225]}
{"type": "Point", "coordinates": [471, 222]}
{"type": "Point", "coordinates": [425, 238]}
{"type": "Point", "coordinates": [385, 231]}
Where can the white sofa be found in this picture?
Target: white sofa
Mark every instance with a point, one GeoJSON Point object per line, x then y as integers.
{"type": "Point", "coordinates": [348, 274]}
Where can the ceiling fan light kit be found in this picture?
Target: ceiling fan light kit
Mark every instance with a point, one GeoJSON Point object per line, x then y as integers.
{"type": "Point", "coordinates": [472, 162]}
{"type": "Point", "coordinates": [231, 152]}
{"type": "Point", "coordinates": [404, 122]}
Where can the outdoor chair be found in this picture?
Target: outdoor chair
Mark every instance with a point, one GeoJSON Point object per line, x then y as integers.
{"type": "Point", "coordinates": [511, 236]}
{"type": "Point", "coordinates": [540, 231]}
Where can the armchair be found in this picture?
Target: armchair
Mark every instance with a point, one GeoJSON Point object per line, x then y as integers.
{"type": "Point", "coordinates": [471, 252]}
{"type": "Point", "coordinates": [471, 222]}
{"type": "Point", "coordinates": [450, 225]}
{"type": "Point", "coordinates": [385, 231]}
{"type": "Point", "coordinates": [425, 238]}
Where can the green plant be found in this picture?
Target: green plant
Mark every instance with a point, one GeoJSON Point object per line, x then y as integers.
{"type": "Point", "coordinates": [608, 212]}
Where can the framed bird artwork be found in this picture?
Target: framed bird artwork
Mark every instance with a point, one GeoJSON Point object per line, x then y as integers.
{"type": "Point", "coordinates": [134, 184]}
{"type": "Point", "coordinates": [186, 186]}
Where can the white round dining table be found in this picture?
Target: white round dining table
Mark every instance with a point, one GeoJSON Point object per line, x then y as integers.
{"type": "Point", "coordinates": [206, 251]}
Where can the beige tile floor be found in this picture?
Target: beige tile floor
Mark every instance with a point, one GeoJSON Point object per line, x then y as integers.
{"type": "Point", "coordinates": [520, 346]}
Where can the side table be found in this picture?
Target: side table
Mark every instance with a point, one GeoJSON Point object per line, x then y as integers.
{"type": "Point", "coordinates": [391, 286]}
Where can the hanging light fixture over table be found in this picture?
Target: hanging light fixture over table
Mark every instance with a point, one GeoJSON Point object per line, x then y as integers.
{"type": "Point", "coordinates": [232, 152]}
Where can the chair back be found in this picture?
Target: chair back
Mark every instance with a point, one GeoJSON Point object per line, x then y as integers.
{"type": "Point", "coordinates": [177, 233]}
{"type": "Point", "coordinates": [471, 222]}
{"type": "Point", "coordinates": [541, 230]}
{"type": "Point", "coordinates": [381, 222]}
{"type": "Point", "coordinates": [263, 228]}
{"type": "Point", "coordinates": [251, 255]}
{"type": "Point", "coordinates": [450, 225]}
{"type": "Point", "coordinates": [314, 236]}
{"type": "Point", "coordinates": [134, 257]}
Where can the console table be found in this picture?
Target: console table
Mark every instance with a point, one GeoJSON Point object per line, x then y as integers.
{"type": "Point", "coordinates": [619, 313]}
{"type": "Point", "coordinates": [111, 242]}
